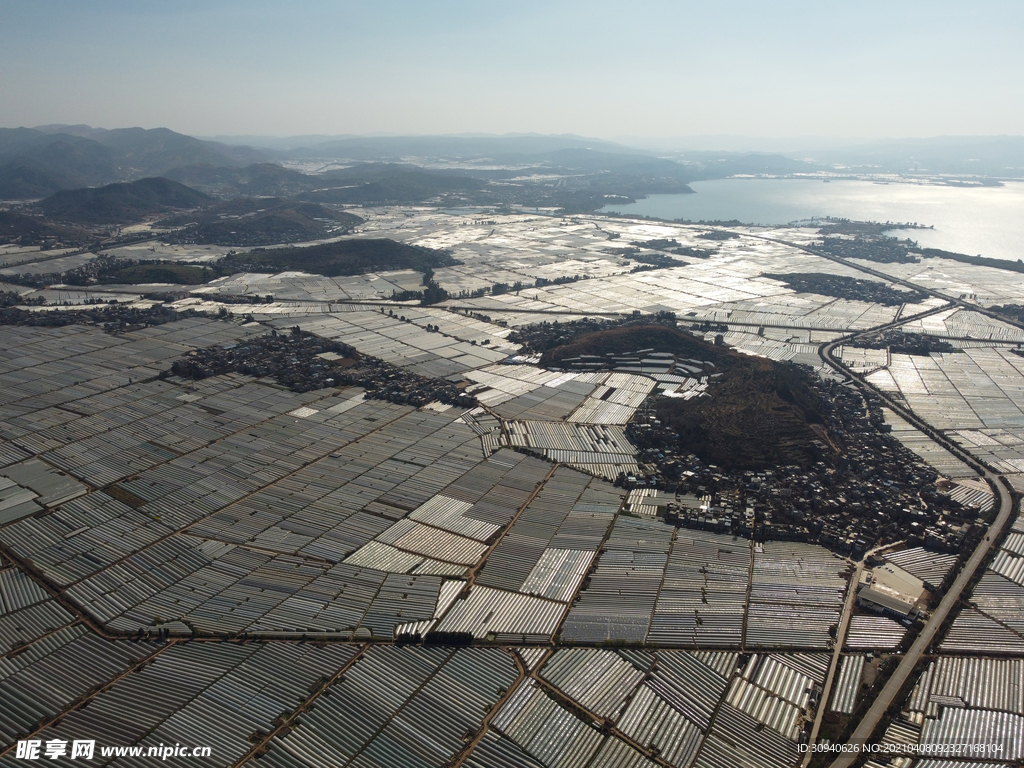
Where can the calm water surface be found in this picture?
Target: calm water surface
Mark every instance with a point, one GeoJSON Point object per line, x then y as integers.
{"type": "Point", "coordinates": [986, 220]}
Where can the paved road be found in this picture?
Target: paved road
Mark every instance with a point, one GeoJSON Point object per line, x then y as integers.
{"type": "Point", "coordinates": [902, 673]}
{"type": "Point", "coordinates": [844, 625]}
{"type": "Point", "coordinates": [888, 693]}
{"type": "Point", "coordinates": [885, 698]}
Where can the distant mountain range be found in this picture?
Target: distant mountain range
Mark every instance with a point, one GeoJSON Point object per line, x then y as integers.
{"type": "Point", "coordinates": [499, 148]}
{"type": "Point", "coordinates": [993, 156]}
{"type": "Point", "coordinates": [36, 162]}
{"type": "Point", "coordinates": [986, 156]}
{"type": "Point", "coordinates": [40, 162]}
{"type": "Point", "coordinates": [92, 177]}
{"type": "Point", "coordinates": [256, 180]}
{"type": "Point", "coordinates": [397, 147]}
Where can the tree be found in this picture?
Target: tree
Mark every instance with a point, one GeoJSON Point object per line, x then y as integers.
{"type": "Point", "coordinates": [433, 294]}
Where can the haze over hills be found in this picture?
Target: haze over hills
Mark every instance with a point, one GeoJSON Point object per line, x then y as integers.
{"type": "Point", "coordinates": [259, 179]}
{"type": "Point", "coordinates": [157, 147]}
{"type": "Point", "coordinates": [997, 156]}
{"type": "Point", "coordinates": [120, 203]}
{"type": "Point", "coordinates": [567, 173]}
{"type": "Point", "coordinates": [38, 162]}
{"type": "Point", "coordinates": [463, 145]}
{"type": "Point", "coordinates": [983, 155]}
{"type": "Point", "coordinates": [17, 227]}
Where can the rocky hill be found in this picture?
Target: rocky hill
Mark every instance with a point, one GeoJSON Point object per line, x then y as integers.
{"type": "Point", "coordinates": [758, 413]}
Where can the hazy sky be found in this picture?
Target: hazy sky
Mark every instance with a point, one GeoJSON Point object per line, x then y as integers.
{"type": "Point", "coordinates": [826, 68]}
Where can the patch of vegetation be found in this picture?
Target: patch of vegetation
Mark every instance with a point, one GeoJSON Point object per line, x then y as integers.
{"type": "Point", "coordinates": [158, 272]}
{"type": "Point", "coordinates": [33, 230]}
{"type": "Point", "coordinates": [714, 222]}
{"type": "Point", "coordinates": [540, 282]}
{"type": "Point", "coordinates": [881, 250]}
{"type": "Point", "coordinates": [1012, 311]}
{"type": "Point", "coordinates": [630, 338]}
{"type": "Point", "coordinates": [649, 261]}
{"type": "Point", "coordinates": [978, 261]}
{"type": "Point", "coordinates": [121, 203]}
{"type": "Point", "coordinates": [110, 317]}
{"type": "Point", "coordinates": [108, 269]}
{"type": "Point", "coordinates": [660, 245]}
{"type": "Point", "coordinates": [290, 359]}
{"type": "Point", "coordinates": [718, 234]}
{"type": "Point", "coordinates": [373, 184]}
{"type": "Point", "coordinates": [709, 327]}
{"type": "Point", "coordinates": [695, 253]}
{"type": "Point", "coordinates": [13, 299]}
{"type": "Point", "coordinates": [432, 293]}
{"type": "Point", "coordinates": [543, 336]}
{"type": "Point", "coordinates": [870, 244]}
{"type": "Point", "coordinates": [904, 343]}
{"type": "Point", "coordinates": [863, 229]}
{"type": "Point", "coordinates": [248, 222]}
{"type": "Point", "coordinates": [342, 257]}
{"type": "Point", "coordinates": [850, 288]}
{"type": "Point", "coordinates": [760, 414]}
{"type": "Point", "coordinates": [499, 289]}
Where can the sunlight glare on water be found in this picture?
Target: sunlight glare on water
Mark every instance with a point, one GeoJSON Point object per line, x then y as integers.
{"type": "Point", "coordinates": [973, 220]}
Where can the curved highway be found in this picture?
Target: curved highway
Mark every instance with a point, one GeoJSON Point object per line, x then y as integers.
{"type": "Point", "coordinates": [887, 696]}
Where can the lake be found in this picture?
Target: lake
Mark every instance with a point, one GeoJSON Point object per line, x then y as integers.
{"type": "Point", "coordinates": [973, 220]}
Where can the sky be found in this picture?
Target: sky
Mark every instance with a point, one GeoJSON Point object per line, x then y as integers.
{"type": "Point", "coordinates": [863, 69]}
